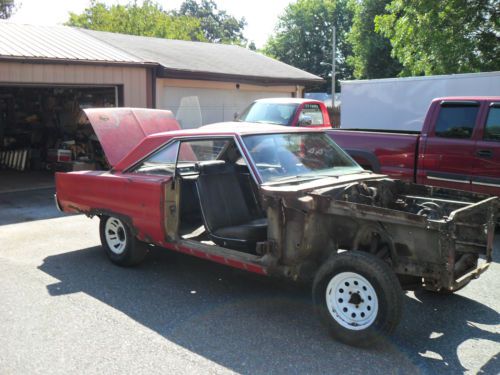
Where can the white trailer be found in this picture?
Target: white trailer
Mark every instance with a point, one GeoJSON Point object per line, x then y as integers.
{"type": "Point", "coordinates": [401, 103]}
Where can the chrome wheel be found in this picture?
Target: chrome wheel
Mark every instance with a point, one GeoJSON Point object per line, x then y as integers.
{"type": "Point", "coordinates": [351, 301]}
{"type": "Point", "coordinates": [115, 235]}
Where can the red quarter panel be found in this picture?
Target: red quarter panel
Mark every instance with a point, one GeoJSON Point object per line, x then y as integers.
{"type": "Point", "coordinates": [138, 197]}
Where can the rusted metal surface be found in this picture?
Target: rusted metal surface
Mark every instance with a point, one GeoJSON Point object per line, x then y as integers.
{"type": "Point", "coordinates": [121, 129]}
{"type": "Point", "coordinates": [428, 235]}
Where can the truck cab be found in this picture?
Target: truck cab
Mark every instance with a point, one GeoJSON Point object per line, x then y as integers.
{"type": "Point", "coordinates": [460, 144]}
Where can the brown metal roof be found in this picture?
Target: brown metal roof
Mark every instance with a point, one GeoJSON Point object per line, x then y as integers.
{"type": "Point", "coordinates": [57, 43]}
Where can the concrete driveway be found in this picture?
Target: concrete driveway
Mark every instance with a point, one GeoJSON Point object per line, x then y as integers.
{"type": "Point", "coordinates": [65, 308]}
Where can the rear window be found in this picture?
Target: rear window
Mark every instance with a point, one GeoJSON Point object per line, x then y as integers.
{"type": "Point", "coordinates": [314, 112]}
{"type": "Point", "coordinates": [456, 121]}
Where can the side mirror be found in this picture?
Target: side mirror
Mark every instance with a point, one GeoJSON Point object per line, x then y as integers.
{"type": "Point", "coordinates": [305, 121]}
{"type": "Point", "coordinates": [236, 115]}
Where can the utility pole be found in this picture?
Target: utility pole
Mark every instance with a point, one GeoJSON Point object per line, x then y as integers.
{"type": "Point", "coordinates": [333, 67]}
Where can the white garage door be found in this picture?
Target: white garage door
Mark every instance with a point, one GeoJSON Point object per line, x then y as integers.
{"type": "Point", "coordinates": [194, 107]}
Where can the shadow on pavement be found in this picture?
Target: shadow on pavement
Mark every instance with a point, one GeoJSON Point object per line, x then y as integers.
{"type": "Point", "coordinates": [434, 326]}
{"type": "Point", "coordinates": [492, 366]}
{"type": "Point", "coordinates": [252, 324]}
{"type": "Point", "coordinates": [22, 206]}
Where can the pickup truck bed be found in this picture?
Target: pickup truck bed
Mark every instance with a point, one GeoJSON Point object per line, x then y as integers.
{"type": "Point", "coordinates": [391, 153]}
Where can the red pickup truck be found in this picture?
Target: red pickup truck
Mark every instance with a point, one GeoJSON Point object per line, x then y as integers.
{"type": "Point", "coordinates": [458, 147]}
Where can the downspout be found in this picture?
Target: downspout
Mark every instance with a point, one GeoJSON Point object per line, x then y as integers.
{"type": "Point", "coordinates": [153, 87]}
{"type": "Point", "coordinates": [299, 92]}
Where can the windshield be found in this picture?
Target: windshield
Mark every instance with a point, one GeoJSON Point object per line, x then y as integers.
{"type": "Point", "coordinates": [271, 113]}
{"type": "Point", "coordinates": [282, 157]}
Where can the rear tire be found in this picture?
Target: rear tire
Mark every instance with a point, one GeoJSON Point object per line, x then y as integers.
{"type": "Point", "coordinates": [358, 297]}
{"type": "Point", "coordinates": [120, 245]}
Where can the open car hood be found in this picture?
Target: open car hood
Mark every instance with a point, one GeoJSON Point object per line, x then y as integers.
{"type": "Point", "coordinates": [121, 129]}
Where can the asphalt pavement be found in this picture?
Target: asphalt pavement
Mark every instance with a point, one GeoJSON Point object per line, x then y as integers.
{"type": "Point", "coordinates": [64, 308]}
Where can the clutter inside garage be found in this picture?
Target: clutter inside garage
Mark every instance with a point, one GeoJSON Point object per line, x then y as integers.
{"type": "Point", "coordinates": [44, 128]}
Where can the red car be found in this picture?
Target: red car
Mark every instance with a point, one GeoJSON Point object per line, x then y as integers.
{"type": "Point", "coordinates": [284, 202]}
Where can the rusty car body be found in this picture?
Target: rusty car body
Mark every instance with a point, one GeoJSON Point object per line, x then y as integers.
{"type": "Point", "coordinates": [284, 202]}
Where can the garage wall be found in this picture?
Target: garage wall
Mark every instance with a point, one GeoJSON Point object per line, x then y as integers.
{"type": "Point", "coordinates": [133, 79]}
{"type": "Point", "coordinates": [198, 103]}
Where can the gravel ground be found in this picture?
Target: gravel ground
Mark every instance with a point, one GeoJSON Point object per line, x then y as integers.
{"type": "Point", "coordinates": [65, 308]}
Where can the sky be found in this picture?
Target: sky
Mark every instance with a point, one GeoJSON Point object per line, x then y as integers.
{"type": "Point", "coordinates": [261, 15]}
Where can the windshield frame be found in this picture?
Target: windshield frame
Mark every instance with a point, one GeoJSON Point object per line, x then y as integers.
{"type": "Point", "coordinates": [300, 177]}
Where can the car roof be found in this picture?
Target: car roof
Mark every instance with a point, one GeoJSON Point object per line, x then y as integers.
{"type": "Point", "coordinates": [236, 128]}
{"type": "Point", "coordinates": [287, 100]}
{"type": "Point", "coordinates": [228, 129]}
{"type": "Point", "coordinates": [465, 98]}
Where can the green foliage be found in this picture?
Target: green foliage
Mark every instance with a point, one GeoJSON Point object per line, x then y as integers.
{"type": "Point", "coordinates": [146, 19]}
{"type": "Point", "coordinates": [7, 8]}
{"type": "Point", "coordinates": [217, 25]}
{"type": "Point", "coordinates": [303, 38]}
{"type": "Point", "coordinates": [371, 56]}
{"type": "Point", "coordinates": [442, 37]}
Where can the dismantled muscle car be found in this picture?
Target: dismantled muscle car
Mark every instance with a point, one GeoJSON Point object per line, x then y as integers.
{"type": "Point", "coordinates": [281, 202]}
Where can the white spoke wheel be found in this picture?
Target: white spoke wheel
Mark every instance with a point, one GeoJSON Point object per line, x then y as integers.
{"type": "Point", "coordinates": [358, 297]}
{"type": "Point", "coordinates": [114, 232]}
{"type": "Point", "coordinates": [121, 246]}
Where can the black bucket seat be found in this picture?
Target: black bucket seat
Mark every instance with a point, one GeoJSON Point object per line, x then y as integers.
{"type": "Point", "coordinates": [226, 213]}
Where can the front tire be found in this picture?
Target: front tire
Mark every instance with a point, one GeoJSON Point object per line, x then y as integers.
{"type": "Point", "coordinates": [120, 245]}
{"type": "Point", "coordinates": [358, 297]}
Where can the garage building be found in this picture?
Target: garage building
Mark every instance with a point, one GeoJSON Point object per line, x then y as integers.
{"type": "Point", "coordinates": [48, 74]}
{"type": "Point", "coordinates": [209, 82]}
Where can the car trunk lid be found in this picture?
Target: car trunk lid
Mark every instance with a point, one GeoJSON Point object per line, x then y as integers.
{"type": "Point", "coordinates": [121, 129]}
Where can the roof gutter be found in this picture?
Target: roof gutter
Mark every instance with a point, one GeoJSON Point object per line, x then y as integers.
{"type": "Point", "coordinates": [163, 72]}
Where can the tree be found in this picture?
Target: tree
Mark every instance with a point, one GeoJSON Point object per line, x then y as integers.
{"type": "Point", "coordinates": [146, 19]}
{"type": "Point", "coordinates": [7, 8]}
{"type": "Point", "coordinates": [217, 25]}
{"type": "Point", "coordinates": [303, 38]}
{"type": "Point", "coordinates": [443, 37]}
{"type": "Point", "coordinates": [371, 56]}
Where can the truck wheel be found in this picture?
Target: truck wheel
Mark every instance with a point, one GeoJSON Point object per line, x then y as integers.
{"type": "Point", "coordinates": [121, 246]}
{"type": "Point", "coordinates": [358, 297]}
